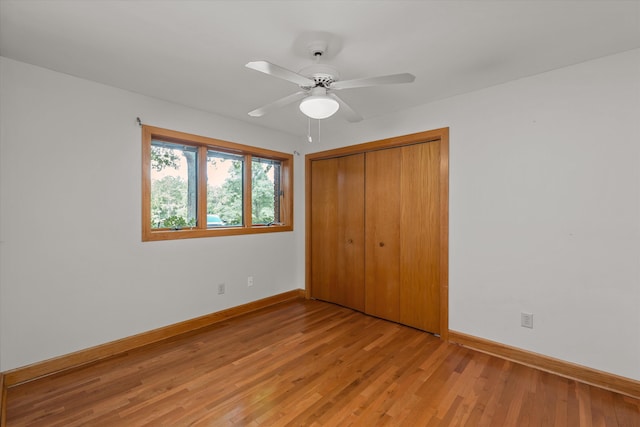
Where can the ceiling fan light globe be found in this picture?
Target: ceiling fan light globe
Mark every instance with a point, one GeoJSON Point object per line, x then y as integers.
{"type": "Point", "coordinates": [319, 107]}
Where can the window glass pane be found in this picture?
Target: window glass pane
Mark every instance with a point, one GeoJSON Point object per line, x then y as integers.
{"type": "Point", "coordinates": [173, 185]}
{"type": "Point", "coordinates": [225, 174]}
{"type": "Point", "coordinates": [265, 191]}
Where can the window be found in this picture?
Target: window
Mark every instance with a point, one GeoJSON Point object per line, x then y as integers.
{"type": "Point", "coordinates": [194, 186]}
{"type": "Point", "coordinates": [225, 185]}
{"type": "Point", "coordinates": [173, 185]}
{"type": "Point", "coordinates": [265, 191]}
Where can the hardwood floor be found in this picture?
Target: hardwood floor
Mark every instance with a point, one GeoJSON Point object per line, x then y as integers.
{"type": "Point", "coordinates": [309, 363]}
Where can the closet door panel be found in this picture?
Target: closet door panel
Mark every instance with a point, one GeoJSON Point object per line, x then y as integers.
{"type": "Point", "coordinates": [419, 237]}
{"type": "Point", "coordinates": [350, 240]}
{"type": "Point", "coordinates": [382, 217]}
{"type": "Point", "coordinates": [324, 226]}
{"type": "Point", "coordinates": [337, 229]}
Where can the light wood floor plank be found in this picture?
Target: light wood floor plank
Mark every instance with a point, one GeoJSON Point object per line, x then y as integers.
{"type": "Point", "coordinates": [310, 363]}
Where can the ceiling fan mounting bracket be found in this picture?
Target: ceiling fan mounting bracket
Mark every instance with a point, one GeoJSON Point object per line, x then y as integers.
{"type": "Point", "coordinates": [317, 48]}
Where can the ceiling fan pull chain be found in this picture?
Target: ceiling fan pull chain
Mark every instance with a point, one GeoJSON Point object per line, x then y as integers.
{"type": "Point", "coordinates": [309, 130]}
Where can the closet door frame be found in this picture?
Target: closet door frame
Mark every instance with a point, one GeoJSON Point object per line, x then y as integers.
{"type": "Point", "coordinates": [441, 135]}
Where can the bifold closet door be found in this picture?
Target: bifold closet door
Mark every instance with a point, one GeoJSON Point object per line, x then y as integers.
{"type": "Point", "coordinates": [402, 235]}
{"type": "Point", "coordinates": [337, 230]}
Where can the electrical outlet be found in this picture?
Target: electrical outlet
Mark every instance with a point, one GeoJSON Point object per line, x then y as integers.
{"type": "Point", "coordinates": [250, 281]}
{"type": "Point", "coordinates": [526, 320]}
{"type": "Point", "coordinates": [221, 288]}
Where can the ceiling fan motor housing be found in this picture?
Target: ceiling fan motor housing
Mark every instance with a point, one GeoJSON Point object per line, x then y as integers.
{"type": "Point", "coordinates": [322, 74]}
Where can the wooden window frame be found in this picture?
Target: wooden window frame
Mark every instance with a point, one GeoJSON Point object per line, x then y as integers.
{"type": "Point", "coordinates": [150, 133]}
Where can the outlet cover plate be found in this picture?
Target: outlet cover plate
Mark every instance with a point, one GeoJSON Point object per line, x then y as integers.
{"type": "Point", "coordinates": [526, 320]}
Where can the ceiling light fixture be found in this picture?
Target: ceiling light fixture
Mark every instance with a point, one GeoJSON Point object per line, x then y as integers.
{"type": "Point", "coordinates": [319, 105]}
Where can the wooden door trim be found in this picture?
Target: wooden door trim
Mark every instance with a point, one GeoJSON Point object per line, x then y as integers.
{"type": "Point", "coordinates": [444, 235]}
{"type": "Point", "coordinates": [441, 135]}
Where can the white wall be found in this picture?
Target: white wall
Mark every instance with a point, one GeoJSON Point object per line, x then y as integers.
{"type": "Point", "coordinates": [544, 215]}
{"type": "Point", "coordinates": [73, 270]}
{"type": "Point", "coordinates": [544, 209]}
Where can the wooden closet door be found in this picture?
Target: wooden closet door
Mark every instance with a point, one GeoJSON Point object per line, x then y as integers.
{"type": "Point", "coordinates": [382, 235]}
{"type": "Point", "coordinates": [337, 230]}
{"type": "Point", "coordinates": [420, 236]}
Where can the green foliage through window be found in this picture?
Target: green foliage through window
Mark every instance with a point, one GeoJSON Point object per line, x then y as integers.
{"type": "Point", "coordinates": [225, 187]}
{"type": "Point", "coordinates": [265, 191]}
{"type": "Point", "coordinates": [173, 186]}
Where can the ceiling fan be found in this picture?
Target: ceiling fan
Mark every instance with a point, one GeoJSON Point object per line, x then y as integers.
{"type": "Point", "coordinates": [317, 83]}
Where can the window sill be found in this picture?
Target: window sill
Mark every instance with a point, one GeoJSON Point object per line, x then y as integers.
{"type": "Point", "coordinates": [151, 236]}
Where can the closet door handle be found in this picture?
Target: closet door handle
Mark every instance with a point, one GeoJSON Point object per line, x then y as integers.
{"type": "Point", "coordinates": [350, 241]}
{"type": "Point", "coordinates": [381, 244]}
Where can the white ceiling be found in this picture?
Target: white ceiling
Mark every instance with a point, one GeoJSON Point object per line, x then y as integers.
{"type": "Point", "coordinates": [193, 52]}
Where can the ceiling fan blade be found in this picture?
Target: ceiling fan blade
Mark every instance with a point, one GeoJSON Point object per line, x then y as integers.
{"type": "Point", "coordinates": [345, 109]}
{"type": "Point", "coordinates": [259, 112]}
{"type": "Point", "coordinates": [373, 81]}
{"type": "Point", "coordinates": [281, 73]}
